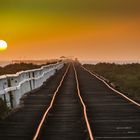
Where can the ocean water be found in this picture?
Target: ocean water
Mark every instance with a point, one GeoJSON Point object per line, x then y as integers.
{"type": "Point", "coordinates": [4, 63]}
{"type": "Point", "coordinates": [116, 62]}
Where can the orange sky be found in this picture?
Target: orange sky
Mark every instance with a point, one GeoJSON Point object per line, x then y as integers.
{"type": "Point", "coordinates": [87, 36]}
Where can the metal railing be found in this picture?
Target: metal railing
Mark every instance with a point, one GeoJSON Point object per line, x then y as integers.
{"type": "Point", "coordinates": [13, 87]}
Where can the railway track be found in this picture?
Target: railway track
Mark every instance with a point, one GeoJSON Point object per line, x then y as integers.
{"type": "Point", "coordinates": [74, 104]}
{"type": "Point", "coordinates": [63, 118]}
{"type": "Point", "coordinates": [22, 124]}
{"type": "Point", "coordinates": [66, 117]}
{"type": "Point", "coordinates": [112, 116]}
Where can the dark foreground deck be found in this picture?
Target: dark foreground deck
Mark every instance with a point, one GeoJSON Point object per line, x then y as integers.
{"type": "Point", "coordinates": [110, 116]}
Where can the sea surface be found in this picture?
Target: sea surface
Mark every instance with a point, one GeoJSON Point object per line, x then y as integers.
{"type": "Point", "coordinates": [116, 62]}
{"type": "Point", "coordinates": [4, 63]}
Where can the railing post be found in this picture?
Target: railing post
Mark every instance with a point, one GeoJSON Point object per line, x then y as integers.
{"type": "Point", "coordinates": [5, 86]}
{"type": "Point", "coordinates": [30, 76]}
{"type": "Point", "coordinates": [10, 93]}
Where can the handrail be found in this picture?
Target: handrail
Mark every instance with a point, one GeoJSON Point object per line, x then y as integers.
{"type": "Point", "coordinates": [21, 72]}
{"type": "Point", "coordinates": [20, 83]}
{"type": "Point", "coordinates": [14, 86]}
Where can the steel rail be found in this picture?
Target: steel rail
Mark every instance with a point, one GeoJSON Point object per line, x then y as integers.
{"type": "Point", "coordinates": [116, 91]}
{"type": "Point", "coordinates": [50, 106]}
{"type": "Point", "coordinates": [84, 106]}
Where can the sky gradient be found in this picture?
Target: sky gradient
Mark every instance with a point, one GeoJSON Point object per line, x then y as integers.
{"type": "Point", "coordinates": [87, 29]}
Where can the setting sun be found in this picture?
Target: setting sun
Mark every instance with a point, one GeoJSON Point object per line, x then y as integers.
{"type": "Point", "coordinates": [3, 45]}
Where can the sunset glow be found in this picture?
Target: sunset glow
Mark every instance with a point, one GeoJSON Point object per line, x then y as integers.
{"type": "Point", "coordinates": [42, 29]}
